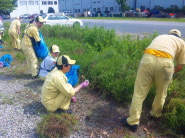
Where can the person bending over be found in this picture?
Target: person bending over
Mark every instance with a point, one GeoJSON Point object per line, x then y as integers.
{"type": "Point", "coordinates": [156, 66]}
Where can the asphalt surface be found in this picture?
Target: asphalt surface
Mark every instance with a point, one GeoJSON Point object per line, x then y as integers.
{"type": "Point", "coordinates": [137, 27]}
{"type": "Point", "coordinates": [132, 26]}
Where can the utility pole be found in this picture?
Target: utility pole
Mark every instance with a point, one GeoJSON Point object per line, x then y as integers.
{"type": "Point", "coordinates": [39, 5]}
{"type": "Point", "coordinates": [135, 4]}
{"type": "Point", "coordinates": [149, 4]}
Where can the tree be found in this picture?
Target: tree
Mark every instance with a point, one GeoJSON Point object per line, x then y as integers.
{"type": "Point", "coordinates": [123, 5]}
{"type": "Point", "coordinates": [51, 10]}
{"type": "Point", "coordinates": [7, 6]}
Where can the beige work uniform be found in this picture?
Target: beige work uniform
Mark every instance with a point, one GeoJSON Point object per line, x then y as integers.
{"type": "Point", "coordinates": [56, 91]}
{"type": "Point", "coordinates": [26, 45]}
{"type": "Point", "coordinates": [158, 70]}
{"type": "Point", "coordinates": [13, 33]}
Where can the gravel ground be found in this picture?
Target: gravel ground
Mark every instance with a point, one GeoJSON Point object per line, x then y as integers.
{"type": "Point", "coordinates": [21, 109]}
{"type": "Point", "coordinates": [14, 120]}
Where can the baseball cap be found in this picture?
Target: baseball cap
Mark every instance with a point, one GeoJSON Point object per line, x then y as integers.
{"type": "Point", "coordinates": [40, 19]}
{"type": "Point", "coordinates": [55, 48]}
{"type": "Point", "coordinates": [65, 60]}
{"type": "Point", "coordinates": [175, 32]}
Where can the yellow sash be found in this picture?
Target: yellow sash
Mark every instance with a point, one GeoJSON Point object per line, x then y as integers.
{"type": "Point", "coordinates": [158, 53]}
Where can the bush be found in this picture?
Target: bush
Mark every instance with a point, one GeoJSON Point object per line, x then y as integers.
{"type": "Point", "coordinates": [174, 116]}
{"type": "Point", "coordinates": [110, 62]}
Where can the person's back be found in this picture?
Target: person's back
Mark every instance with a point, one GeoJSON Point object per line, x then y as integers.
{"type": "Point", "coordinates": [14, 32]}
{"type": "Point", "coordinates": [48, 64]}
{"type": "Point", "coordinates": [170, 44]}
{"type": "Point", "coordinates": [156, 67]}
{"type": "Point", "coordinates": [13, 25]}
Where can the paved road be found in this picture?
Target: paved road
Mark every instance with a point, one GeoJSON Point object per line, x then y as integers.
{"type": "Point", "coordinates": [136, 27]}
{"type": "Point", "coordinates": [132, 27]}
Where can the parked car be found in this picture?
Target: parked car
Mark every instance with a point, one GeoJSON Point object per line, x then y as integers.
{"type": "Point", "coordinates": [68, 13]}
{"type": "Point", "coordinates": [33, 16]}
{"type": "Point", "coordinates": [57, 18]}
{"type": "Point", "coordinates": [25, 16]}
{"type": "Point", "coordinates": [4, 17]}
{"type": "Point", "coordinates": [1, 26]}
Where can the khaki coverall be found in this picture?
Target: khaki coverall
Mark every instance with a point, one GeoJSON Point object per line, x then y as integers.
{"type": "Point", "coordinates": [26, 45]}
{"type": "Point", "coordinates": [13, 33]}
{"type": "Point", "coordinates": [158, 70]}
{"type": "Point", "coordinates": [56, 91]}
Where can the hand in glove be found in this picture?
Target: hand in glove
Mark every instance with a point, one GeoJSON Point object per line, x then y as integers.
{"type": "Point", "coordinates": [84, 84]}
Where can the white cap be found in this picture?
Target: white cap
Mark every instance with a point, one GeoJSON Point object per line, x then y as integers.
{"type": "Point", "coordinates": [55, 48]}
{"type": "Point", "coordinates": [65, 60]}
{"type": "Point", "coordinates": [175, 32]}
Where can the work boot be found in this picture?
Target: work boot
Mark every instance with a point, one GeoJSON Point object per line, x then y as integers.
{"type": "Point", "coordinates": [35, 77]}
{"type": "Point", "coordinates": [69, 111]}
{"type": "Point", "coordinates": [152, 118]}
{"type": "Point", "coordinates": [133, 128]}
{"type": "Point", "coordinates": [19, 50]}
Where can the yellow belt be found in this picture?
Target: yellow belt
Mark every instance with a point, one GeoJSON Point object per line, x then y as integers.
{"type": "Point", "coordinates": [158, 53]}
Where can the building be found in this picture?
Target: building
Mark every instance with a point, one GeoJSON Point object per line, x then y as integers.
{"type": "Point", "coordinates": [154, 4]}
{"type": "Point", "coordinates": [93, 6]}
{"type": "Point", "coordinates": [81, 6]}
{"type": "Point", "coordinates": [34, 6]}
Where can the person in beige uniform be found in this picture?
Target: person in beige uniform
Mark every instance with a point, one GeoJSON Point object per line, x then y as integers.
{"type": "Point", "coordinates": [31, 33]}
{"type": "Point", "coordinates": [1, 34]}
{"type": "Point", "coordinates": [56, 91]}
{"type": "Point", "coordinates": [156, 66]}
{"type": "Point", "coordinates": [14, 32]}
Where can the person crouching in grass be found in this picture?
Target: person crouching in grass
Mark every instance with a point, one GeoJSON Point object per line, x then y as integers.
{"type": "Point", "coordinates": [56, 91]}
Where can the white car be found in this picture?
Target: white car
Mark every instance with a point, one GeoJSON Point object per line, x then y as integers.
{"type": "Point", "coordinates": [60, 19]}
{"type": "Point", "coordinates": [1, 26]}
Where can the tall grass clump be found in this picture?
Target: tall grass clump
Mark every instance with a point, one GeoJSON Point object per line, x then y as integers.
{"type": "Point", "coordinates": [174, 116]}
{"type": "Point", "coordinates": [56, 125]}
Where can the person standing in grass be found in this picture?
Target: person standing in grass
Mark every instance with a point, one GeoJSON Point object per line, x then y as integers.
{"type": "Point", "coordinates": [14, 32]}
{"type": "Point", "coordinates": [156, 66]}
{"type": "Point", "coordinates": [56, 91]}
{"type": "Point", "coordinates": [31, 35]}
{"type": "Point", "coordinates": [48, 64]}
{"type": "Point", "coordinates": [1, 34]}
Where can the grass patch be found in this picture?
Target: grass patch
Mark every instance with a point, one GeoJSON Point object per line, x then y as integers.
{"type": "Point", "coordinates": [56, 125]}
{"type": "Point", "coordinates": [138, 19]}
{"type": "Point", "coordinates": [7, 100]}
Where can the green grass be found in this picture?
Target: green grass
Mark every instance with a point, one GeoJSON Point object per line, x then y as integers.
{"type": "Point", "coordinates": [56, 125]}
{"type": "Point", "coordinates": [139, 19]}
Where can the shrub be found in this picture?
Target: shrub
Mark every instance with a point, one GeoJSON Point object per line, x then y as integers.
{"type": "Point", "coordinates": [174, 116]}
